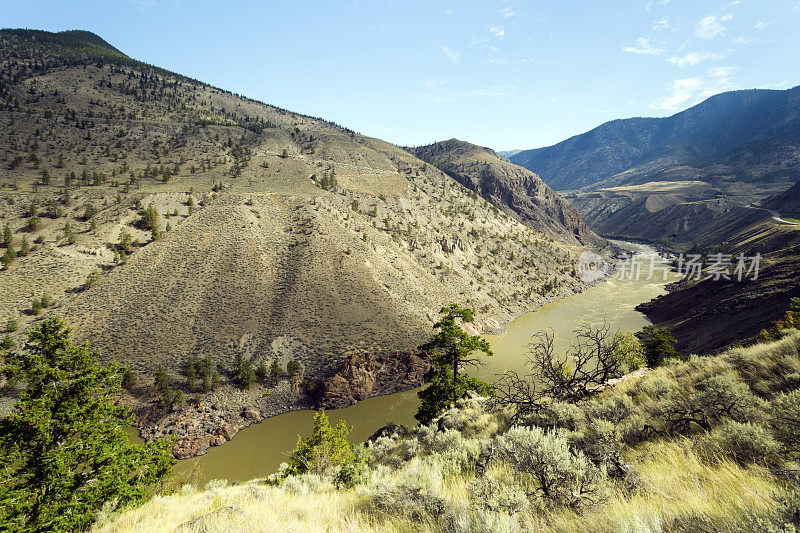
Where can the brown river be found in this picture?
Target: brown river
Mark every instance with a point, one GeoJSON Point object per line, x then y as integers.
{"type": "Point", "coordinates": [256, 451]}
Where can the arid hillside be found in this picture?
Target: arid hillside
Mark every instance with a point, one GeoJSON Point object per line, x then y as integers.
{"type": "Point", "coordinates": [170, 221]}
{"type": "Point", "coordinates": [522, 192]}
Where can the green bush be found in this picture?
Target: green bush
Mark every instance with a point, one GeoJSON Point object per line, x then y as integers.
{"type": "Point", "coordinates": [497, 496]}
{"type": "Point", "coordinates": [726, 397]}
{"type": "Point", "coordinates": [558, 415]}
{"type": "Point", "coordinates": [326, 448]}
{"type": "Point", "coordinates": [559, 474]}
{"type": "Point", "coordinates": [658, 344]}
{"type": "Point", "coordinates": [745, 443]}
{"type": "Point", "coordinates": [786, 422]}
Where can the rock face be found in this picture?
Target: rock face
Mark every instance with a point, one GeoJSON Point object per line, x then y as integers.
{"type": "Point", "coordinates": [787, 202]}
{"type": "Point", "coordinates": [502, 183]}
{"type": "Point", "coordinates": [709, 315]}
{"type": "Point", "coordinates": [361, 376]}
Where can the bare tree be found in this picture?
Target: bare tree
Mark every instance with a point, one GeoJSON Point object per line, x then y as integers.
{"type": "Point", "coordinates": [595, 356]}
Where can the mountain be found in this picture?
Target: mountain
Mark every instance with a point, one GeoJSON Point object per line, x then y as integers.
{"type": "Point", "coordinates": [711, 314]}
{"type": "Point", "coordinates": [508, 153]}
{"type": "Point", "coordinates": [523, 193]}
{"type": "Point", "coordinates": [169, 221]}
{"type": "Point", "coordinates": [785, 202]}
{"type": "Point", "coordinates": [750, 136]}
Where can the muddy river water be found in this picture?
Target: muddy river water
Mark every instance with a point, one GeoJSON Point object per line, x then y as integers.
{"type": "Point", "coordinates": [257, 451]}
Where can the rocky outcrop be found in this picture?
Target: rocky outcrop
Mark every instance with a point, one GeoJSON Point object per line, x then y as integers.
{"type": "Point", "coordinates": [711, 315]}
{"type": "Point", "coordinates": [507, 185]}
{"type": "Point", "coordinates": [362, 376]}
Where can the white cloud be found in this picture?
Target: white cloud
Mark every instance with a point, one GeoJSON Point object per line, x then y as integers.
{"type": "Point", "coordinates": [438, 91]}
{"type": "Point", "coordinates": [508, 12]}
{"type": "Point", "coordinates": [710, 27]}
{"type": "Point", "coordinates": [449, 11]}
{"type": "Point", "coordinates": [752, 40]}
{"type": "Point", "coordinates": [644, 45]}
{"type": "Point", "coordinates": [144, 5]}
{"type": "Point", "coordinates": [498, 61]}
{"type": "Point", "coordinates": [497, 31]}
{"type": "Point", "coordinates": [686, 92]}
{"type": "Point", "coordinates": [693, 58]}
{"type": "Point", "coordinates": [660, 24]}
{"type": "Point", "coordinates": [779, 85]}
{"type": "Point", "coordinates": [452, 55]}
{"type": "Point", "coordinates": [760, 25]}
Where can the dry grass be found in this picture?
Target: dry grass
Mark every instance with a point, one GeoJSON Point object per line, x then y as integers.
{"type": "Point", "coordinates": [680, 492]}
{"type": "Point", "coordinates": [249, 507]}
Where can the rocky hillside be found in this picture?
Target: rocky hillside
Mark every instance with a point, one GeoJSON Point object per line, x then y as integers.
{"type": "Point", "coordinates": [710, 314]}
{"type": "Point", "coordinates": [169, 220]}
{"type": "Point", "coordinates": [785, 202]}
{"type": "Point", "coordinates": [518, 190]}
{"type": "Point", "coordinates": [747, 137]}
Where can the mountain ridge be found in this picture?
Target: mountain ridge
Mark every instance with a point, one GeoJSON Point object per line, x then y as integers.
{"type": "Point", "coordinates": [708, 129]}
{"type": "Point", "coordinates": [493, 177]}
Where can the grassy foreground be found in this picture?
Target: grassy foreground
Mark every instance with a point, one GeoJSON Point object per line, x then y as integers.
{"type": "Point", "coordinates": [625, 461]}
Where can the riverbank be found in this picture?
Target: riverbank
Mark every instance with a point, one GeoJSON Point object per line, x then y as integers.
{"type": "Point", "coordinates": [259, 449]}
{"type": "Point", "coordinates": [213, 419]}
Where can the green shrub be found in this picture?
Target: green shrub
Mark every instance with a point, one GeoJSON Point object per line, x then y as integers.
{"type": "Point", "coordinates": [745, 443]}
{"type": "Point", "coordinates": [726, 397]}
{"type": "Point", "coordinates": [12, 325]}
{"type": "Point", "coordinates": [786, 422]}
{"type": "Point", "coordinates": [7, 343]}
{"type": "Point", "coordinates": [628, 352]}
{"type": "Point", "coordinates": [658, 345]}
{"type": "Point", "coordinates": [559, 474]}
{"type": "Point", "coordinates": [615, 409]}
{"type": "Point", "coordinates": [326, 448]}
{"type": "Point", "coordinates": [558, 415]}
{"type": "Point", "coordinates": [496, 496]}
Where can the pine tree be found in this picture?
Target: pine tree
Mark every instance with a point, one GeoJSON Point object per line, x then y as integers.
{"type": "Point", "coordinates": [8, 236]}
{"type": "Point", "coordinates": [449, 350]}
{"type": "Point", "coordinates": [243, 369]}
{"type": "Point", "coordinates": [292, 368]}
{"type": "Point", "coordinates": [64, 451]}
{"type": "Point", "coordinates": [262, 372]}
{"type": "Point", "coordinates": [275, 372]}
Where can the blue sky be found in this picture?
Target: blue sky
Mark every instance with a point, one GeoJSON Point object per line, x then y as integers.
{"type": "Point", "coordinates": [504, 74]}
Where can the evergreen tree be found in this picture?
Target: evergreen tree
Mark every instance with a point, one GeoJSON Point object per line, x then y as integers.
{"type": "Point", "coordinates": [262, 372]}
{"type": "Point", "coordinates": [243, 370]}
{"type": "Point", "coordinates": [163, 384]}
{"type": "Point", "coordinates": [275, 372]}
{"type": "Point", "coordinates": [658, 344]}
{"type": "Point", "coordinates": [12, 325]}
{"type": "Point", "coordinates": [69, 234]}
{"type": "Point", "coordinates": [24, 247]}
{"type": "Point", "coordinates": [7, 343]}
{"type": "Point", "coordinates": [64, 451]}
{"type": "Point", "coordinates": [449, 350]}
{"type": "Point", "coordinates": [8, 236]}
{"type": "Point", "coordinates": [292, 368]}
{"type": "Point", "coordinates": [327, 447]}
{"type": "Point", "coordinates": [190, 371]}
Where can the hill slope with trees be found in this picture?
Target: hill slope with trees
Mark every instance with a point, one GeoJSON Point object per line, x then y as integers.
{"type": "Point", "coordinates": [200, 236]}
